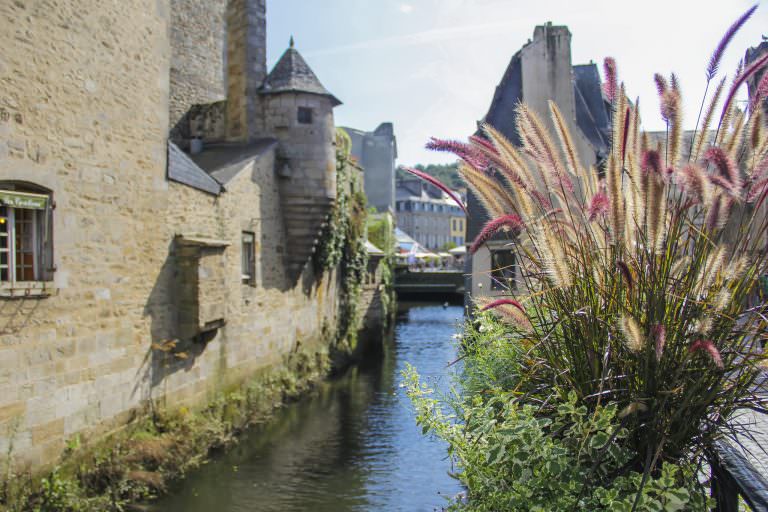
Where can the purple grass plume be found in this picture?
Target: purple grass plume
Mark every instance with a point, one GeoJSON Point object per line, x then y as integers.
{"type": "Point", "coordinates": [728, 176]}
{"type": "Point", "coordinates": [626, 135]}
{"type": "Point", "coordinates": [426, 177]}
{"type": "Point", "coordinates": [760, 93]}
{"type": "Point", "coordinates": [484, 144]}
{"type": "Point", "coordinates": [467, 152]}
{"type": "Point", "coordinates": [717, 55]}
{"type": "Point", "coordinates": [626, 274]}
{"type": "Point", "coordinates": [511, 222]}
{"type": "Point", "coordinates": [709, 348]}
{"type": "Point", "coordinates": [503, 302]}
{"type": "Point", "coordinates": [659, 333]}
{"type": "Point", "coordinates": [651, 162]}
{"type": "Point", "coordinates": [611, 86]}
{"type": "Point", "coordinates": [598, 206]}
{"type": "Point", "coordinates": [741, 78]}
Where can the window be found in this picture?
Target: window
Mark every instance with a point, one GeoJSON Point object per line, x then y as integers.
{"type": "Point", "coordinates": [503, 270]}
{"type": "Point", "coordinates": [248, 258]}
{"type": "Point", "coordinates": [305, 115]}
{"type": "Point", "coordinates": [26, 246]}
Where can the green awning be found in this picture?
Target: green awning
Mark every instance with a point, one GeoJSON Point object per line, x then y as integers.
{"type": "Point", "coordinates": [25, 200]}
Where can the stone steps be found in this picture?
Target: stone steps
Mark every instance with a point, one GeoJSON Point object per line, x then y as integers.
{"type": "Point", "coordinates": [305, 219]}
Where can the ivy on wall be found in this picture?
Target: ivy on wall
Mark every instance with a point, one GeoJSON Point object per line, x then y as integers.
{"type": "Point", "coordinates": [343, 242]}
{"type": "Point", "coordinates": [381, 233]}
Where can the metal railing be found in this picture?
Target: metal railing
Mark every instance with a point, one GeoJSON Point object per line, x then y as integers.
{"type": "Point", "coordinates": [733, 476]}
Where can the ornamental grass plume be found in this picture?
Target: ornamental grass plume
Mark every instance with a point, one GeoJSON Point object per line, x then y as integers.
{"type": "Point", "coordinates": [510, 223]}
{"type": "Point", "coordinates": [628, 279]}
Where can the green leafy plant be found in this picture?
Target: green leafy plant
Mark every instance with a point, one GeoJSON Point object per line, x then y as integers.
{"type": "Point", "coordinates": [511, 458]}
{"type": "Point", "coordinates": [381, 233]}
{"type": "Point", "coordinates": [343, 242]}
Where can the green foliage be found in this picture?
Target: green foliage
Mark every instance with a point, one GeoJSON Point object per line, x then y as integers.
{"type": "Point", "coordinates": [381, 233]}
{"type": "Point", "coordinates": [136, 464]}
{"type": "Point", "coordinates": [343, 241]}
{"type": "Point", "coordinates": [510, 457]}
{"type": "Point", "coordinates": [446, 173]}
{"type": "Point", "coordinates": [58, 495]}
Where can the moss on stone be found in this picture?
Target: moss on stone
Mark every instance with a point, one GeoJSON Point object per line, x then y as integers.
{"type": "Point", "coordinates": [135, 464]}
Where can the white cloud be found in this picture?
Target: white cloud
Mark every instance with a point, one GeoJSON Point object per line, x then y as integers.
{"type": "Point", "coordinates": [406, 8]}
{"type": "Point", "coordinates": [425, 37]}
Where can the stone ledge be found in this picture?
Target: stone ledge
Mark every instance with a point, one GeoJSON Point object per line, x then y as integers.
{"type": "Point", "coordinates": [28, 289]}
{"type": "Point", "coordinates": [198, 241]}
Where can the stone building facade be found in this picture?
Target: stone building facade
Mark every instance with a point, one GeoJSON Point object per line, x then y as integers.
{"type": "Point", "coordinates": [157, 188]}
{"type": "Point", "coordinates": [428, 215]}
{"type": "Point", "coordinates": [376, 151]}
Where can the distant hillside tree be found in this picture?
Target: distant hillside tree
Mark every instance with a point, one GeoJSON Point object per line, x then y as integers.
{"type": "Point", "coordinates": [446, 173]}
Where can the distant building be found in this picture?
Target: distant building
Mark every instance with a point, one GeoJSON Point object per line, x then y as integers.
{"type": "Point", "coordinates": [539, 72]}
{"type": "Point", "coordinates": [376, 152]}
{"type": "Point", "coordinates": [428, 215]}
{"type": "Point", "coordinates": [751, 55]}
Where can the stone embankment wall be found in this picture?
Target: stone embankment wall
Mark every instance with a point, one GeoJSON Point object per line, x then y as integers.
{"type": "Point", "coordinates": [84, 112]}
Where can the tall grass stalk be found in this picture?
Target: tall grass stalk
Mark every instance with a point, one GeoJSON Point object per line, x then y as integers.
{"type": "Point", "coordinates": [641, 289]}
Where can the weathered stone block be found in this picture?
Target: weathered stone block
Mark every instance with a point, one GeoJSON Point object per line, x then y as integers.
{"type": "Point", "coordinates": [49, 431]}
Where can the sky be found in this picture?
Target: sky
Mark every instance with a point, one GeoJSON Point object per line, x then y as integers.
{"type": "Point", "coordinates": [431, 66]}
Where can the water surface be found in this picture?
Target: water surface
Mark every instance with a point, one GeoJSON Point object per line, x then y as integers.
{"type": "Point", "coordinates": [352, 445]}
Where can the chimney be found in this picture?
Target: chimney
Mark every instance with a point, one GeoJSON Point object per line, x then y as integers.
{"type": "Point", "coordinates": [547, 73]}
{"type": "Point", "coordinates": [246, 66]}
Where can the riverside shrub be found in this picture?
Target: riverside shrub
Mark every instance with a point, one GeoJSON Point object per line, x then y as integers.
{"type": "Point", "coordinates": [510, 458]}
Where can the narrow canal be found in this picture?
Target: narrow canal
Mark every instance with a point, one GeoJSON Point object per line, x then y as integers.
{"type": "Point", "coordinates": [352, 445]}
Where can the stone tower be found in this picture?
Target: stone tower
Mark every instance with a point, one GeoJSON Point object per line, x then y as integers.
{"type": "Point", "coordinates": [246, 67]}
{"type": "Point", "coordinates": [288, 105]}
{"type": "Point", "coordinates": [298, 111]}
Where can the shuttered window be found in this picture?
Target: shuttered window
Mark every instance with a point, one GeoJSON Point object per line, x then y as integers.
{"type": "Point", "coordinates": [26, 245]}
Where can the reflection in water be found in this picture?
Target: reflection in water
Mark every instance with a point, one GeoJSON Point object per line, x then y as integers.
{"type": "Point", "coordinates": [351, 446]}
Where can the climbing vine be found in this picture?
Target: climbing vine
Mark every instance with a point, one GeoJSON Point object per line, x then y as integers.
{"type": "Point", "coordinates": [381, 233]}
{"type": "Point", "coordinates": [343, 242]}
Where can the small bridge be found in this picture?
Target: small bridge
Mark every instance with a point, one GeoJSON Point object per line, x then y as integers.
{"type": "Point", "coordinates": [448, 283]}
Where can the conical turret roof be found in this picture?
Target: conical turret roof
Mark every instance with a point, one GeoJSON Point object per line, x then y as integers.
{"type": "Point", "coordinates": [293, 74]}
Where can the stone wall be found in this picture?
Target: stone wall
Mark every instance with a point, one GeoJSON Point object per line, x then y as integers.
{"type": "Point", "coordinates": [309, 147]}
{"type": "Point", "coordinates": [87, 89]}
{"type": "Point", "coordinates": [259, 317]}
{"type": "Point", "coordinates": [197, 38]}
{"type": "Point", "coordinates": [246, 66]}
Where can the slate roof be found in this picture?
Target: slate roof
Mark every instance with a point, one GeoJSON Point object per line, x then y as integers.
{"type": "Point", "coordinates": [591, 113]}
{"type": "Point", "coordinates": [293, 74]}
{"type": "Point", "coordinates": [223, 161]}
{"type": "Point", "coordinates": [501, 115]}
{"type": "Point", "coordinates": [592, 118]}
{"type": "Point", "coordinates": [216, 165]}
{"type": "Point", "coordinates": [506, 97]}
{"type": "Point", "coordinates": [183, 170]}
